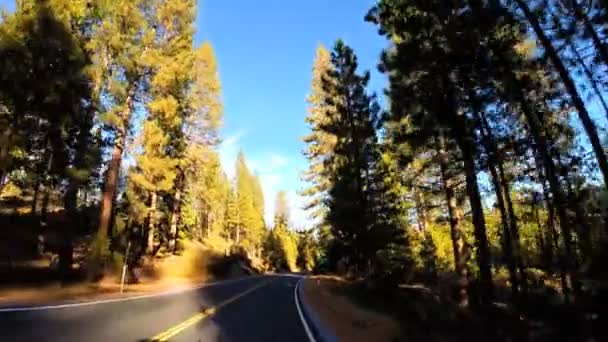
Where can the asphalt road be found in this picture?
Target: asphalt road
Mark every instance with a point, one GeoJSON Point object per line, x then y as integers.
{"type": "Point", "coordinates": [252, 309]}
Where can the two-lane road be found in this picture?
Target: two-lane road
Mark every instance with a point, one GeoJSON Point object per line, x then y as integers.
{"type": "Point", "coordinates": [251, 309]}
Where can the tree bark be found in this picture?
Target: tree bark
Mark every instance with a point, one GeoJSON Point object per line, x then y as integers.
{"type": "Point", "coordinates": [481, 237]}
{"type": "Point", "coordinates": [517, 253]}
{"type": "Point", "coordinates": [492, 151]}
{"type": "Point", "coordinates": [238, 234]}
{"type": "Point", "coordinates": [70, 198]}
{"type": "Point", "coordinates": [552, 234]}
{"type": "Point", "coordinates": [113, 171]}
{"type": "Point", "coordinates": [152, 224]}
{"type": "Point", "coordinates": [455, 215]}
{"type": "Point", "coordinates": [175, 214]}
{"type": "Point", "coordinates": [462, 134]}
{"type": "Point", "coordinates": [550, 172]}
{"type": "Point", "coordinates": [5, 145]}
{"type": "Point", "coordinates": [578, 102]}
{"type": "Point", "coordinates": [419, 201]}
{"type": "Point", "coordinates": [498, 172]}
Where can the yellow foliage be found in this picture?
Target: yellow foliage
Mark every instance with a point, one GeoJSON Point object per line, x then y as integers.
{"type": "Point", "coordinates": [290, 249]}
{"type": "Point", "coordinates": [10, 190]}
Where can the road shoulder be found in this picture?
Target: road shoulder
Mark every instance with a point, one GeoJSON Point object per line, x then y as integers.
{"type": "Point", "coordinates": [339, 318]}
{"type": "Point", "coordinates": [80, 295]}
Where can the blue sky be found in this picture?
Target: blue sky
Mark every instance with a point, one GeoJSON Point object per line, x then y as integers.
{"type": "Point", "coordinates": [265, 51]}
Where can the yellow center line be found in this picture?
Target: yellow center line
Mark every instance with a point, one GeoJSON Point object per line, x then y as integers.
{"type": "Point", "coordinates": [175, 330]}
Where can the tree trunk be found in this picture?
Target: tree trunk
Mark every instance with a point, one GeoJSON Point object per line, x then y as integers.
{"type": "Point", "coordinates": [498, 173]}
{"type": "Point", "coordinates": [70, 198]}
{"type": "Point", "coordinates": [37, 185]}
{"type": "Point", "coordinates": [492, 151]}
{"type": "Point", "coordinates": [583, 114]}
{"type": "Point", "coordinates": [151, 223]}
{"type": "Point", "coordinates": [507, 236]}
{"type": "Point", "coordinates": [44, 209]}
{"type": "Point", "coordinates": [481, 237]}
{"type": "Point", "coordinates": [455, 215]}
{"type": "Point", "coordinates": [542, 239]}
{"type": "Point", "coordinates": [419, 201]}
{"type": "Point", "coordinates": [584, 229]}
{"type": "Point", "coordinates": [113, 171]}
{"type": "Point", "coordinates": [462, 134]}
{"type": "Point", "coordinates": [552, 234]}
{"type": "Point", "coordinates": [175, 214]}
{"type": "Point", "coordinates": [48, 187]}
{"type": "Point", "coordinates": [541, 140]}
{"type": "Point", "coordinates": [209, 218]}
{"type": "Point", "coordinates": [5, 145]}
{"type": "Point", "coordinates": [238, 234]}
{"type": "Point", "coordinates": [517, 253]}
{"type": "Point", "coordinates": [42, 170]}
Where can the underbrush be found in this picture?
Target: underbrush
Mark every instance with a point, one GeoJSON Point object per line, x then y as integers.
{"type": "Point", "coordinates": [203, 261]}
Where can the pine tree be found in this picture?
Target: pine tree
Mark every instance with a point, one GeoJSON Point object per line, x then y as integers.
{"type": "Point", "coordinates": [206, 119]}
{"type": "Point", "coordinates": [258, 206]}
{"type": "Point", "coordinates": [231, 217]}
{"type": "Point", "coordinates": [569, 84]}
{"type": "Point", "coordinates": [281, 247]}
{"type": "Point", "coordinates": [170, 61]}
{"type": "Point", "coordinates": [350, 197]}
{"type": "Point", "coordinates": [428, 89]}
{"type": "Point", "coordinates": [248, 217]}
{"type": "Point", "coordinates": [204, 183]}
{"type": "Point", "coordinates": [320, 143]}
{"type": "Point", "coordinates": [119, 43]}
{"type": "Point", "coordinates": [47, 101]}
{"type": "Point", "coordinates": [281, 210]}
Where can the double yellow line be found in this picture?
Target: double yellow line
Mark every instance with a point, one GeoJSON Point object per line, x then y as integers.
{"type": "Point", "coordinates": [177, 329]}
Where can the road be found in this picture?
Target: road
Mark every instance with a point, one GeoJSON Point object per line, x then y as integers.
{"type": "Point", "coordinates": [251, 309]}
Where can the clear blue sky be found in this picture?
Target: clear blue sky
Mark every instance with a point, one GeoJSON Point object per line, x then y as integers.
{"type": "Point", "coordinates": [265, 51]}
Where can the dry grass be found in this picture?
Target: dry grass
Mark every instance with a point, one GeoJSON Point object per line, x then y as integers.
{"type": "Point", "coordinates": [198, 263]}
{"type": "Point", "coordinates": [193, 263]}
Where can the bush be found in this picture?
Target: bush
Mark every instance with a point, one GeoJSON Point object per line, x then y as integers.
{"type": "Point", "coordinates": [11, 191]}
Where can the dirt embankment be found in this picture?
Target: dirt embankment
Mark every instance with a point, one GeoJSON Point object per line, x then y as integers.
{"type": "Point", "coordinates": [345, 319]}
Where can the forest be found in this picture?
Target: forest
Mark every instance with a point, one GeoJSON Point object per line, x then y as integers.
{"type": "Point", "coordinates": [485, 176]}
{"type": "Point", "coordinates": [110, 123]}
{"type": "Point", "coordinates": [480, 174]}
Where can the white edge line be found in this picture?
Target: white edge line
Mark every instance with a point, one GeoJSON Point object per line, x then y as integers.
{"type": "Point", "coordinates": [311, 337]}
{"type": "Point", "coordinates": [114, 300]}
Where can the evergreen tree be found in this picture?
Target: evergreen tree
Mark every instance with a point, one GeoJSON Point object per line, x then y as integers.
{"type": "Point", "coordinates": [231, 217]}
{"type": "Point", "coordinates": [281, 248]}
{"type": "Point", "coordinates": [48, 109]}
{"type": "Point", "coordinates": [119, 43]}
{"type": "Point", "coordinates": [258, 205]}
{"type": "Point", "coordinates": [320, 142]}
{"type": "Point", "coordinates": [248, 232]}
{"type": "Point", "coordinates": [170, 61]}
{"type": "Point", "coordinates": [361, 220]}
